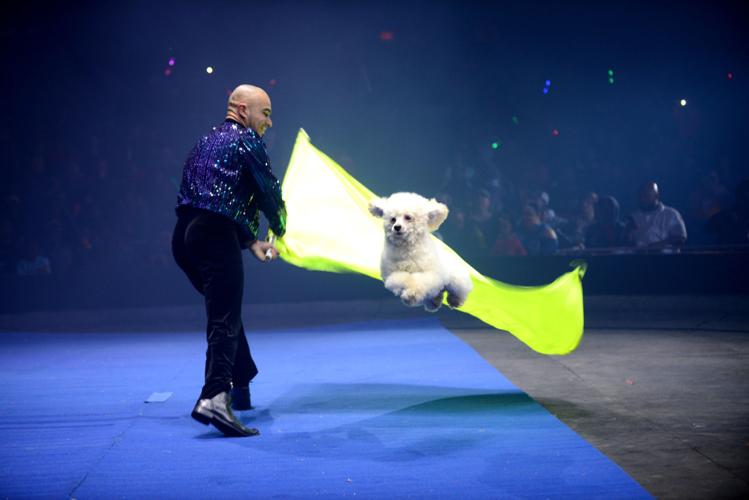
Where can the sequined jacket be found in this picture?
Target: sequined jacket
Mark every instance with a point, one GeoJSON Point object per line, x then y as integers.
{"type": "Point", "coordinates": [228, 172]}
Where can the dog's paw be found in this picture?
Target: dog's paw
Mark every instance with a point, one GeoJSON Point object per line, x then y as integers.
{"type": "Point", "coordinates": [433, 304]}
{"type": "Point", "coordinates": [410, 298]}
{"type": "Point", "coordinates": [455, 301]}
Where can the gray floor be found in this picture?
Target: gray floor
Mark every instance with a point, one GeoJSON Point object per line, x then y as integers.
{"type": "Point", "coordinates": [659, 384]}
{"type": "Point", "coordinates": [662, 391]}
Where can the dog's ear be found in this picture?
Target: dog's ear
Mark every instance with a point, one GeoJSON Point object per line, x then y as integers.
{"type": "Point", "coordinates": [377, 207]}
{"type": "Point", "coordinates": [436, 215]}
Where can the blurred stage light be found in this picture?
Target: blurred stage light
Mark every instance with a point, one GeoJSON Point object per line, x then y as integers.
{"type": "Point", "coordinates": [547, 84]}
{"type": "Point", "coordinates": [729, 76]}
{"type": "Point", "coordinates": [496, 144]}
{"type": "Point", "coordinates": [515, 120]}
{"type": "Point", "coordinates": [167, 71]}
{"type": "Point", "coordinates": [273, 82]}
{"type": "Point", "coordinates": [387, 36]}
{"type": "Point", "coordinates": [171, 61]}
{"type": "Point", "coordinates": [683, 102]}
{"type": "Point", "coordinates": [546, 90]}
{"type": "Point", "coordinates": [555, 132]}
{"type": "Point", "coordinates": [209, 70]}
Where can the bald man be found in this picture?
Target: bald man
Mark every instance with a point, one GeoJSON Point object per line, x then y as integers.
{"type": "Point", "coordinates": [227, 181]}
{"type": "Point", "coordinates": [655, 226]}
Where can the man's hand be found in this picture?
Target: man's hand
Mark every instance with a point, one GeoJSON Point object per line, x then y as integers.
{"type": "Point", "coordinates": [260, 250]}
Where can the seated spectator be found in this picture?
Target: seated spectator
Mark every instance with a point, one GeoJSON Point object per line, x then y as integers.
{"type": "Point", "coordinates": [536, 237]}
{"type": "Point", "coordinates": [507, 242]}
{"type": "Point", "coordinates": [655, 225]}
{"type": "Point", "coordinates": [607, 229]}
{"type": "Point", "coordinates": [548, 215]}
{"type": "Point", "coordinates": [475, 240]}
{"type": "Point", "coordinates": [572, 233]}
{"type": "Point", "coordinates": [731, 226]}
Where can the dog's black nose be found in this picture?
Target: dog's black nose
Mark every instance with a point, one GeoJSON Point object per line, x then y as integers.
{"type": "Point", "coordinates": [397, 227]}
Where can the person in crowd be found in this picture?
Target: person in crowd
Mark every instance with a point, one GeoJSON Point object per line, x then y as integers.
{"type": "Point", "coordinates": [607, 229]}
{"type": "Point", "coordinates": [548, 215]}
{"type": "Point", "coordinates": [655, 225]}
{"type": "Point", "coordinates": [536, 237]}
{"type": "Point", "coordinates": [507, 242]}
{"type": "Point", "coordinates": [731, 226]}
{"type": "Point", "coordinates": [573, 232]}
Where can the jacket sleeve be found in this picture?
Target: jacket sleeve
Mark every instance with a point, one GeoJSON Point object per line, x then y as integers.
{"type": "Point", "coordinates": [267, 187]}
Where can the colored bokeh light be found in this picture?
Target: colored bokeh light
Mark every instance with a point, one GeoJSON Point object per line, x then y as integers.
{"type": "Point", "coordinates": [209, 70]}
{"type": "Point", "coordinates": [546, 90]}
{"type": "Point", "coordinates": [495, 145]}
{"type": "Point", "coordinates": [555, 132]}
{"type": "Point", "coordinates": [387, 36]}
{"type": "Point", "coordinates": [683, 102]}
{"type": "Point", "coordinates": [515, 120]}
{"type": "Point", "coordinates": [729, 76]}
{"type": "Point", "coordinates": [611, 80]}
{"type": "Point", "coordinates": [167, 71]}
{"type": "Point", "coordinates": [273, 82]}
{"type": "Point", "coordinates": [611, 72]}
{"type": "Point", "coordinates": [171, 61]}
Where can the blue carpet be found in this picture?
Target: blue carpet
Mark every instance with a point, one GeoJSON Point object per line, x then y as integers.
{"type": "Point", "coordinates": [372, 410]}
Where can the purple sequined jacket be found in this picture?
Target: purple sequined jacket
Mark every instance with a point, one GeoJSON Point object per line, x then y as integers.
{"type": "Point", "coordinates": [228, 172]}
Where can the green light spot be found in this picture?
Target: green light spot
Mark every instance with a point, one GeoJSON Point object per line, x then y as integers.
{"type": "Point", "coordinates": [495, 145]}
{"type": "Point", "coordinates": [515, 120]}
{"type": "Point", "coordinates": [611, 72]}
{"type": "Point", "coordinates": [611, 81]}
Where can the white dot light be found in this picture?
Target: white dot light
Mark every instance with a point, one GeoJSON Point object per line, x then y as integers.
{"type": "Point", "coordinates": [683, 102]}
{"type": "Point", "coordinates": [209, 70]}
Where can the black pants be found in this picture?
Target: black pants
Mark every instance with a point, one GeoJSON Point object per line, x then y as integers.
{"type": "Point", "coordinates": [206, 247]}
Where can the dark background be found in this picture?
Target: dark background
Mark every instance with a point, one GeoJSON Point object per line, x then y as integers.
{"type": "Point", "coordinates": [405, 95]}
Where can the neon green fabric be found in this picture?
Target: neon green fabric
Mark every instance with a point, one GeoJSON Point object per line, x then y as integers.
{"type": "Point", "coordinates": [329, 228]}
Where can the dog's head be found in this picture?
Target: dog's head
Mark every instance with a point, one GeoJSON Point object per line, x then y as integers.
{"type": "Point", "coordinates": [408, 216]}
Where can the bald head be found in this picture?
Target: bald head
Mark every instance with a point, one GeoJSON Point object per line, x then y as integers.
{"type": "Point", "coordinates": [649, 196]}
{"type": "Point", "coordinates": [250, 106]}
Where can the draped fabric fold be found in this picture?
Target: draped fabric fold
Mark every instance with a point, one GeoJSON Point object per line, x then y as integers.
{"type": "Point", "coordinates": [329, 228]}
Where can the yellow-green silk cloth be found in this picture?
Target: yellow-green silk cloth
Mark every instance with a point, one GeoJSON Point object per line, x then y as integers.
{"type": "Point", "coordinates": [329, 228]}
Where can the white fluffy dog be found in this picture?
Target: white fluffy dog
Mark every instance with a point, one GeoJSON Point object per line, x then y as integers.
{"type": "Point", "coordinates": [412, 266]}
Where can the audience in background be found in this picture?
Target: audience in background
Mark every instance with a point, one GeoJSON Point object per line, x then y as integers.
{"type": "Point", "coordinates": [61, 211]}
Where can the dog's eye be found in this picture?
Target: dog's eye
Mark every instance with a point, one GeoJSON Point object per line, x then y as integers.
{"type": "Point", "coordinates": [392, 220]}
{"type": "Point", "coordinates": [408, 217]}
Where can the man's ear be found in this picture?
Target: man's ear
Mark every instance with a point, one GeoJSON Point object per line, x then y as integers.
{"type": "Point", "coordinates": [436, 215]}
{"type": "Point", "coordinates": [377, 207]}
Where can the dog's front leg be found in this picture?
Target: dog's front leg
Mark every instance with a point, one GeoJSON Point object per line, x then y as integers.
{"type": "Point", "coordinates": [397, 282]}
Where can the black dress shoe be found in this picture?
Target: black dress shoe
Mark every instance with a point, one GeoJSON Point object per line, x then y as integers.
{"type": "Point", "coordinates": [240, 398]}
{"type": "Point", "coordinates": [217, 411]}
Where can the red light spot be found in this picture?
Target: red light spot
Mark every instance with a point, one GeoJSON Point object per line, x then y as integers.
{"type": "Point", "coordinates": [273, 82]}
{"type": "Point", "coordinates": [555, 132]}
{"type": "Point", "coordinates": [387, 36]}
{"type": "Point", "coordinates": [730, 76]}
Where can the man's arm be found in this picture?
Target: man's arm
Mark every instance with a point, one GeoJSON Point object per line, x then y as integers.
{"type": "Point", "coordinates": [267, 187]}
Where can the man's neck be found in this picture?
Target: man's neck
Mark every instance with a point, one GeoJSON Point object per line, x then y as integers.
{"type": "Point", "coordinates": [231, 115]}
